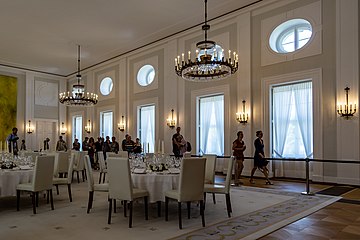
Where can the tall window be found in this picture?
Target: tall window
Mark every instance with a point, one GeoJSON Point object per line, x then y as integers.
{"type": "Point", "coordinates": [146, 127]}
{"type": "Point", "coordinates": [106, 124]}
{"type": "Point", "coordinates": [292, 117]}
{"type": "Point", "coordinates": [77, 128]}
{"type": "Point", "coordinates": [211, 125]}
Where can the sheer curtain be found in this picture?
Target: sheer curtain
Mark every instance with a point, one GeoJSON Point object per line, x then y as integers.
{"type": "Point", "coordinates": [292, 127]}
{"type": "Point", "coordinates": [108, 124]}
{"type": "Point", "coordinates": [147, 127]}
{"type": "Point", "coordinates": [211, 132]}
{"type": "Point", "coordinates": [77, 126]}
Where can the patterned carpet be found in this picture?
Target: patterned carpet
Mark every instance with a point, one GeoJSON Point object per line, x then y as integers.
{"type": "Point", "coordinates": [261, 222]}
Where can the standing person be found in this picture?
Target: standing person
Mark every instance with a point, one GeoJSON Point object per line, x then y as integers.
{"type": "Point", "coordinates": [61, 145]}
{"type": "Point", "coordinates": [124, 142]}
{"type": "Point", "coordinates": [137, 146]}
{"type": "Point", "coordinates": [46, 144]}
{"type": "Point", "coordinates": [12, 141]}
{"type": "Point", "coordinates": [106, 146]}
{"type": "Point", "coordinates": [23, 146]}
{"type": "Point", "coordinates": [115, 147]}
{"type": "Point", "coordinates": [238, 152]}
{"type": "Point", "coordinates": [176, 143]}
{"type": "Point", "coordinates": [91, 151]}
{"type": "Point", "coordinates": [76, 145]}
{"type": "Point", "coordinates": [129, 144]}
{"type": "Point", "coordinates": [259, 161]}
{"type": "Point", "coordinates": [85, 144]}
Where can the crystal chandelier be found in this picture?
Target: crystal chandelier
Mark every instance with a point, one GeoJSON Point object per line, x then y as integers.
{"type": "Point", "coordinates": [208, 64]}
{"type": "Point", "coordinates": [78, 97]}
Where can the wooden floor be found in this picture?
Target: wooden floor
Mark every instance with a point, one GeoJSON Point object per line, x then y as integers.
{"type": "Point", "coordinates": [340, 220]}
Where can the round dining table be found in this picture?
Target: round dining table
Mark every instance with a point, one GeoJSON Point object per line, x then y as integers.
{"type": "Point", "coordinates": [10, 178]}
{"type": "Point", "coordinates": [156, 183]}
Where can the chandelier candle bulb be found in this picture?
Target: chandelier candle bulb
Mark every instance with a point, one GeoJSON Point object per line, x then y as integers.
{"type": "Point", "coordinates": [189, 55]}
{"type": "Point", "coordinates": [182, 57]}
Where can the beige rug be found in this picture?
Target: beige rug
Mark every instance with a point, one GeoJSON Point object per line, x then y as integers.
{"type": "Point", "coordinates": [256, 212]}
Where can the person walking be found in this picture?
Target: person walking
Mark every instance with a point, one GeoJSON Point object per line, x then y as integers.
{"type": "Point", "coordinates": [238, 152]}
{"type": "Point", "coordinates": [12, 141]}
{"type": "Point", "coordinates": [259, 158]}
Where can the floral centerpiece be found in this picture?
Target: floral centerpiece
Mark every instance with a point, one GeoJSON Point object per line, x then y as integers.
{"type": "Point", "coordinates": [158, 167]}
{"type": "Point", "coordinates": [7, 165]}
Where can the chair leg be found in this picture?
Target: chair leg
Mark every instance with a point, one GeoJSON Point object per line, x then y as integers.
{"type": "Point", "coordinates": [83, 175]}
{"type": "Point", "coordinates": [57, 189]}
{"type": "Point", "coordinates": [131, 212]}
{"type": "Point", "coordinates": [214, 200]}
{"type": "Point", "coordinates": [125, 206]}
{"type": "Point", "coordinates": [114, 205]}
{"type": "Point", "coordinates": [159, 208]}
{"type": "Point", "coordinates": [228, 204]}
{"type": "Point", "coordinates": [69, 191]}
{"type": "Point", "coordinates": [33, 202]}
{"type": "Point", "coordinates": [104, 177]}
{"type": "Point", "coordinates": [17, 200]}
{"type": "Point", "coordinates": [202, 212]}
{"type": "Point", "coordinates": [91, 197]}
{"type": "Point", "coordinates": [166, 208]}
{"type": "Point", "coordinates": [110, 210]}
{"type": "Point", "coordinates": [51, 200]}
{"type": "Point", "coordinates": [204, 199]}
{"type": "Point", "coordinates": [77, 174]}
{"type": "Point", "coordinates": [179, 213]}
{"type": "Point", "coordinates": [188, 209]}
{"type": "Point", "coordinates": [100, 177]}
{"type": "Point", "coordinates": [146, 208]}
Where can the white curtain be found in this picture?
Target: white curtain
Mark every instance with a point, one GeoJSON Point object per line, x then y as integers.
{"type": "Point", "coordinates": [147, 121]}
{"type": "Point", "coordinates": [212, 125]}
{"type": "Point", "coordinates": [77, 126]}
{"type": "Point", "coordinates": [108, 124]}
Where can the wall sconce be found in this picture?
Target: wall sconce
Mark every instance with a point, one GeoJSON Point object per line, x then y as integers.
{"type": "Point", "coordinates": [346, 110]}
{"type": "Point", "coordinates": [121, 125]}
{"type": "Point", "coordinates": [63, 129]}
{"type": "Point", "coordinates": [242, 117]}
{"type": "Point", "coordinates": [29, 129]}
{"type": "Point", "coordinates": [88, 127]}
{"type": "Point", "coordinates": [171, 121]}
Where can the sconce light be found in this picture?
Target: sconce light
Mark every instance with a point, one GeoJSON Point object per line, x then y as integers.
{"type": "Point", "coordinates": [171, 121]}
{"type": "Point", "coordinates": [242, 117]}
{"type": "Point", "coordinates": [30, 129]}
{"type": "Point", "coordinates": [121, 125]}
{"type": "Point", "coordinates": [346, 110]}
{"type": "Point", "coordinates": [88, 127]}
{"type": "Point", "coordinates": [63, 129]}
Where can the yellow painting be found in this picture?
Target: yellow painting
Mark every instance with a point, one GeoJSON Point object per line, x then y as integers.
{"type": "Point", "coordinates": [8, 97]}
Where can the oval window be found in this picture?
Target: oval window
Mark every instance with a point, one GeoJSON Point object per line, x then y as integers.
{"type": "Point", "coordinates": [290, 36]}
{"type": "Point", "coordinates": [106, 86]}
{"type": "Point", "coordinates": [146, 75]}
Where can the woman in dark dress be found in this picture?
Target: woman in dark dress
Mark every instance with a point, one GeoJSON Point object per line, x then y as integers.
{"type": "Point", "coordinates": [259, 161]}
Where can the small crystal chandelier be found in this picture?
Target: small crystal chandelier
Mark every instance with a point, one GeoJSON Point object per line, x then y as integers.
{"type": "Point", "coordinates": [209, 65]}
{"type": "Point", "coordinates": [78, 96]}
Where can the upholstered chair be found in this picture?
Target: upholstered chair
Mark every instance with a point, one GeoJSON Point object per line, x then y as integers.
{"type": "Point", "coordinates": [102, 166]}
{"type": "Point", "coordinates": [41, 181]}
{"type": "Point", "coordinates": [66, 181]}
{"type": "Point", "coordinates": [92, 187]}
{"type": "Point", "coordinates": [121, 187]}
{"type": "Point", "coordinates": [210, 170]}
{"type": "Point", "coordinates": [191, 187]}
{"type": "Point", "coordinates": [61, 163]}
{"type": "Point", "coordinates": [223, 189]}
{"type": "Point", "coordinates": [79, 164]}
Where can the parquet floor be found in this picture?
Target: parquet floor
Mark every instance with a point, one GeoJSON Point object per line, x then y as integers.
{"type": "Point", "coordinates": [340, 220]}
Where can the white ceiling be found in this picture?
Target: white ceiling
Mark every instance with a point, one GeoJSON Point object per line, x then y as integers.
{"type": "Point", "coordinates": [42, 35]}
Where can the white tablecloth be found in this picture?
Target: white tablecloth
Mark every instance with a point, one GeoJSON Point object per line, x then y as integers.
{"type": "Point", "coordinates": [156, 184]}
{"type": "Point", "coordinates": [9, 179]}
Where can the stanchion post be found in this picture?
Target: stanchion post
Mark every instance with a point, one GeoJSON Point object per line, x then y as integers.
{"type": "Point", "coordinates": [307, 162]}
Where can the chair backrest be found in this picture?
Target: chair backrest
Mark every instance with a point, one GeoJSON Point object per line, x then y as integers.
{"type": "Point", "coordinates": [210, 168]}
{"type": "Point", "coordinates": [102, 164]}
{"type": "Point", "coordinates": [187, 155]}
{"type": "Point", "coordinates": [192, 175]}
{"type": "Point", "coordinates": [61, 162]}
{"type": "Point", "coordinates": [81, 163]}
{"type": "Point", "coordinates": [229, 174]}
{"type": "Point", "coordinates": [123, 154]}
{"type": "Point", "coordinates": [120, 183]}
{"type": "Point", "coordinates": [89, 173]}
{"type": "Point", "coordinates": [43, 173]}
{"type": "Point", "coordinates": [70, 169]}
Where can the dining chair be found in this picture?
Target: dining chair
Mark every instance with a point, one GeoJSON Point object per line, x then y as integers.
{"type": "Point", "coordinates": [121, 187]}
{"type": "Point", "coordinates": [222, 189]}
{"type": "Point", "coordinates": [65, 181]}
{"type": "Point", "coordinates": [92, 187]}
{"type": "Point", "coordinates": [61, 163]}
{"type": "Point", "coordinates": [191, 187]}
{"type": "Point", "coordinates": [79, 164]}
{"type": "Point", "coordinates": [102, 166]}
{"type": "Point", "coordinates": [41, 181]}
{"type": "Point", "coordinates": [210, 170]}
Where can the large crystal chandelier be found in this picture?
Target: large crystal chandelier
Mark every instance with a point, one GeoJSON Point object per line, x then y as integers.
{"type": "Point", "coordinates": [78, 96]}
{"type": "Point", "coordinates": [208, 64]}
